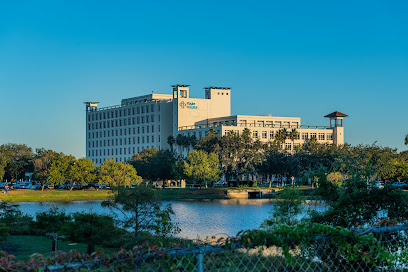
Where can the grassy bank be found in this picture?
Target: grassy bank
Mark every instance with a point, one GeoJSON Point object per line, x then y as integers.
{"type": "Point", "coordinates": [187, 193]}
{"type": "Point", "coordinates": [23, 195]}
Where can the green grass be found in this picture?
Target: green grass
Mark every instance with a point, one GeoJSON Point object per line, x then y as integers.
{"type": "Point", "coordinates": [187, 193]}
{"type": "Point", "coordinates": [23, 246]}
{"type": "Point", "coordinates": [25, 195]}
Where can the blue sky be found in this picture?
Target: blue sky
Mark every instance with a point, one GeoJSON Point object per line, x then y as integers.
{"type": "Point", "coordinates": [287, 58]}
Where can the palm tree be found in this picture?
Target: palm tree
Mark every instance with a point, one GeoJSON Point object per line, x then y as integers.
{"type": "Point", "coordinates": [171, 141]}
{"type": "Point", "coordinates": [293, 135]}
{"type": "Point", "coordinates": [406, 139]}
{"type": "Point", "coordinates": [281, 136]}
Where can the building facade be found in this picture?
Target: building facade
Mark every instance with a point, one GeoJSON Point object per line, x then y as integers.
{"type": "Point", "coordinates": [147, 121]}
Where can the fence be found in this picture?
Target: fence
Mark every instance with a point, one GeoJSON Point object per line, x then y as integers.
{"type": "Point", "coordinates": [312, 247]}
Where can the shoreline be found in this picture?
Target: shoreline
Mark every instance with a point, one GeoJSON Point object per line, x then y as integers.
{"type": "Point", "coordinates": [57, 195]}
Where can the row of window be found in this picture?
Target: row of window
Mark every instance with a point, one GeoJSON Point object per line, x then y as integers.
{"type": "Point", "coordinates": [116, 151]}
{"type": "Point", "coordinates": [122, 141]}
{"type": "Point", "coordinates": [120, 132]}
{"type": "Point", "coordinates": [123, 122]}
{"type": "Point", "coordinates": [115, 113]}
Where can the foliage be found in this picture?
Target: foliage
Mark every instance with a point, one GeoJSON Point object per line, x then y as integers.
{"type": "Point", "coordinates": [90, 228]}
{"type": "Point", "coordinates": [287, 208]}
{"type": "Point", "coordinates": [201, 167]}
{"type": "Point", "coordinates": [4, 232]}
{"type": "Point", "coordinates": [165, 228]}
{"type": "Point", "coordinates": [14, 219]}
{"type": "Point", "coordinates": [59, 169]}
{"type": "Point", "coordinates": [18, 157]}
{"type": "Point", "coordinates": [342, 243]}
{"type": "Point", "coordinates": [116, 174]}
{"type": "Point", "coordinates": [140, 209]}
{"type": "Point", "coordinates": [82, 171]}
{"type": "Point", "coordinates": [42, 162]}
{"type": "Point", "coordinates": [357, 204]}
{"type": "Point", "coordinates": [50, 221]}
{"type": "Point", "coordinates": [153, 164]}
{"type": "Point", "coordinates": [3, 164]}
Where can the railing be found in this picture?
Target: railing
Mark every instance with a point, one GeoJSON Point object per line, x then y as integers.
{"type": "Point", "coordinates": [128, 104]}
{"type": "Point", "coordinates": [219, 124]}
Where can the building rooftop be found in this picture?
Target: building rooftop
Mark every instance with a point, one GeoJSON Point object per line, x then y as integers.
{"type": "Point", "coordinates": [336, 114]}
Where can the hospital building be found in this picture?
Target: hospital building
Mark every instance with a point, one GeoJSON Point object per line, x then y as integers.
{"type": "Point", "coordinates": [147, 121]}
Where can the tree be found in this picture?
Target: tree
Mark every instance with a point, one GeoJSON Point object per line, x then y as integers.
{"type": "Point", "coordinates": [18, 158]}
{"type": "Point", "coordinates": [400, 170]}
{"type": "Point", "coordinates": [59, 170]}
{"type": "Point", "coordinates": [82, 171]}
{"type": "Point", "coordinates": [281, 136]}
{"type": "Point", "coordinates": [210, 143]}
{"type": "Point", "coordinates": [3, 164]}
{"type": "Point", "coordinates": [293, 135]}
{"type": "Point", "coordinates": [17, 222]}
{"type": "Point", "coordinates": [42, 162]}
{"type": "Point", "coordinates": [171, 141]}
{"type": "Point", "coordinates": [50, 222]}
{"type": "Point", "coordinates": [90, 228]}
{"type": "Point", "coordinates": [355, 204]}
{"type": "Point", "coordinates": [117, 174]}
{"type": "Point", "coordinates": [139, 207]}
{"type": "Point", "coordinates": [164, 227]}
{"type": "Point", "coordinates": [142, 163]}
{"type": "Point", "coordinates": [287, 208]}
{"type": "Point", "coordinates": [406, 139]}
{"type": "Point", "coordinates": [202, 167]}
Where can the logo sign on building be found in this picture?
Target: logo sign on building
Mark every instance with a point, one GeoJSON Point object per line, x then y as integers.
{"type": "Point", "coordinates": [188, 105]}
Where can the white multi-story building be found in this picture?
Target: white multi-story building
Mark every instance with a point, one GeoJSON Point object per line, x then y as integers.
{"type": "Point", "coordinates": [147, 121]}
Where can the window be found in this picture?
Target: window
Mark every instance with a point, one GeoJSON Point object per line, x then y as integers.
{"type": "Point", "coordinates": [313, 135]}
{"type": "Point", "coordinates": [288, 146]}
{"type": "Point", "coordinates": [278, 124]}
{"type": "Point", "coordinates": [152, 129]}
{"type": "Point", "coordinates": [255, 134]}
{"type": "Point", "coordinates": [305, 136]}
{"type": "Point", "coordinates": [329, 137]}
{"type": "Point", "coordinates": [147, 129]}
{"type": "Point", "coordinates": [264, 135]}
{"type": "Point", "coordinates": [321, 136]}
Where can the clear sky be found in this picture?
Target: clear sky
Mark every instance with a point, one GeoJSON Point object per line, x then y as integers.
{"type": "Point", "coordinates": [287, 58]}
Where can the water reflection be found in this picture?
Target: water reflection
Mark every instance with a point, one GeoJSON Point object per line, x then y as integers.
{"type": "Point", "coordinates": [196, 218]}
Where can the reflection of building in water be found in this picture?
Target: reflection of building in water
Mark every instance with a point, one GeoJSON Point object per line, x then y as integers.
{"type": "Point", "coordinates": [147, 121]}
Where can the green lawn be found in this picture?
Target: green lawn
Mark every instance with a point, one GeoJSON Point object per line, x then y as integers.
{"type": "Point", "coordinates": [23, 246]}
{"type": "Point", "coordinates": [25, 195]}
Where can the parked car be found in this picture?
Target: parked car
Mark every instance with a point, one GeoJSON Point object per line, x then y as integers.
{"type": "Point", "coordinates": [101, 186]}
{"type": "Point", "coordinates": [221, 184]}
{"type": "Point", "coordinates": [399, 185]}
{"type": "Point", "coordinates": [377, 184]}
{"type": "Point", "coordinates": [34, 186]}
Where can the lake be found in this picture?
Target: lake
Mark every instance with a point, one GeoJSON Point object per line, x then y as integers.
{"type": "Point", "coordinates": [196, 218]}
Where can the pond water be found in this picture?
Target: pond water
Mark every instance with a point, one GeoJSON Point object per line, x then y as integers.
{"type": "Point", "coordinates": [196, 218]}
